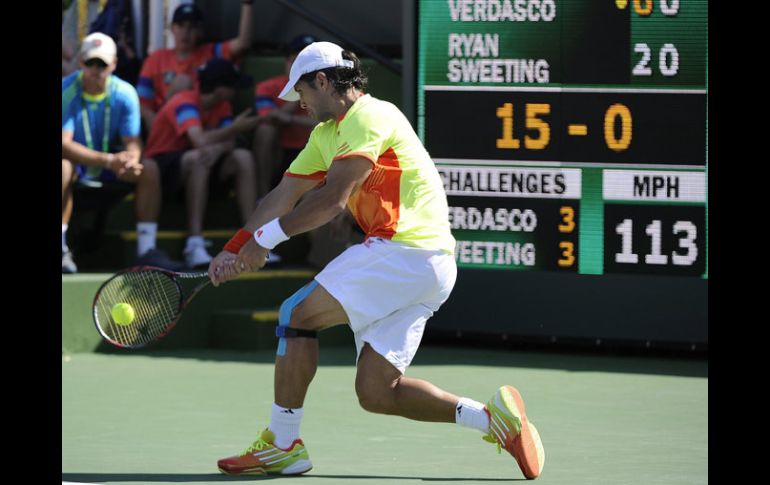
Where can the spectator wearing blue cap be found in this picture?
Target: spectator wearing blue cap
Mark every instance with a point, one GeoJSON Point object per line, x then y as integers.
{"type": "Point", "coordinates": [168, 71]}
{"type": "Point", "coordinates": [286, 126]}
{"type": "Point", "coordinates": [193, 143]}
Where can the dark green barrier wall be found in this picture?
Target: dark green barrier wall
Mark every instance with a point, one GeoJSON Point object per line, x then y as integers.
{"type": "Point", "coordinates": [550, 306]}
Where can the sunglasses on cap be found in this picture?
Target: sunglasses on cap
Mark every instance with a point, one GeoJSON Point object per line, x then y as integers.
{"type": "Point", "coordinates": [95, 62]}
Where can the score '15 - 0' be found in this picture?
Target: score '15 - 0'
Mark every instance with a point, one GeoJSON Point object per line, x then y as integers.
{"type": "Point", "coordinates": [536, 120]}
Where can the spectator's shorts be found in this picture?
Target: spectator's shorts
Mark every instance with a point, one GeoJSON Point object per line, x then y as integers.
{"type": "Point", "coordinates": [170, 164]}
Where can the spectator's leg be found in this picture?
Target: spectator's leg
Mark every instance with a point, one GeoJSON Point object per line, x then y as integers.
{"type": "Point", "coordinates": [67, 180]}
{"type": "Point", "coordinates": [148, 192]}
{"type": "Point", "coordinates": [240, 164]}
{"type": "Point", "coordinates": [195, 168]}
{"type": "Point", "coordinates": [266, 152]}
{"type": "Point", "coordinates": [146, 204]}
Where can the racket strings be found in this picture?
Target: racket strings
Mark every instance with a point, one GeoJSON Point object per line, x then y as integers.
{"type": "Point", "coordinates": [155, 298]}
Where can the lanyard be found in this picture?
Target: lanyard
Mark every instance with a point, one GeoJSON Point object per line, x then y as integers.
{"type": "Point", "coordinates": [95, 171]}
{"type": "Point", "coordinates": [87, 125]}
{"type": "Point", "coordinates": [105, 136]}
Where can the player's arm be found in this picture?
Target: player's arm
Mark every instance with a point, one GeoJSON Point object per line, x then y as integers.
{"type": "Point", "coordinates": [316, 209]}
{"type": "Point", "coordinates": [321, 206]}
{"type": "Point", "coordinates": [78, 153]}
{"type": "Point", "coordinates": [239, 44]}
{"type": "Point", "coordinates": [276, 203]}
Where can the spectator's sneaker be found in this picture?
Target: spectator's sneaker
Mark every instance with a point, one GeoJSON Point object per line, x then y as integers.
{"type": "Point", "coordinates": [68, 265]}
{"type": "Point", "coordinates": [511, 430]}
{"type": "Point", "coordinates": [197, 257]}
{"type": "Point", "coordinates": [264, 458]}
{"type": "Point", "coordinates": [158, 258]}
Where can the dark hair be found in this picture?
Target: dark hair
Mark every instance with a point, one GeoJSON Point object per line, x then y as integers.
{"type": "Point", "coordinates": [342, 78]}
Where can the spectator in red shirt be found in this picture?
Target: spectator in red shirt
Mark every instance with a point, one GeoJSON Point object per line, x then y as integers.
{"type": "Point", "coordinates": [285, 128]}
{"type": "Point", "coordinates": [168, 71]}
{"type": "Point", "coordinates": [194, 135]}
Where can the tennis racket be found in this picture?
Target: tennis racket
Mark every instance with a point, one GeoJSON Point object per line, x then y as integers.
{"type": "Point", "coordinates": [157, 296]}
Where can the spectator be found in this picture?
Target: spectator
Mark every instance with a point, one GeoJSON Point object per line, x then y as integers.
{"type": "Point", "coordinates": [67, 56]}
{"type": "Point", "coordinates": [100, 143]}
{"type": "Point", "coordinates": [168, 71]}
{"type": "Point", "coordinates": [76, 19]}
{"type": "Point", "coordinates": [192, 136]}
{"type": "Point", "coordinates": [286, 126]}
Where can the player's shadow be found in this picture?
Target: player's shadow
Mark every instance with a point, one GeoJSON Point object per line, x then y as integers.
{"type": "Point", "coordinates": [457, 355]}
{"type": "Point", "coordinates": [218, 477]}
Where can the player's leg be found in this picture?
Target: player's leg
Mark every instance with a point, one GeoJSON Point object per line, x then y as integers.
{"type": "Point", "coordinates": [381, 388]}
{"type": "Point", "coordinates": [387, 344]}
{"type": "Point", "coordinates": [279, 450]}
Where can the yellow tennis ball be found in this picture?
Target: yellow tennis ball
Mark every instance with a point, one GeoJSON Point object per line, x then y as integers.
{"type": "Point", "coordinates": [123, 313]}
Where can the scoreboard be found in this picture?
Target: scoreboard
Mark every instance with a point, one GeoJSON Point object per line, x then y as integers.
{"type": "Point", "coordinates": [571, 135]}
{"type": "Point", "coordinates": [572, 138]}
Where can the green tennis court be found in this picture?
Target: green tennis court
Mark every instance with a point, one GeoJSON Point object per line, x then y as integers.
{"type": "Point", "coordinates": [166, 417]}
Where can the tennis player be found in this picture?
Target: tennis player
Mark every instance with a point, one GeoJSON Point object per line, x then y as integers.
{"type": "Point", "coordinates": [363, 154]}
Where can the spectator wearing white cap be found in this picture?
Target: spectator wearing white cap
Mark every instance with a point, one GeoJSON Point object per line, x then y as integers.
{"type": "Point", "coordinates": [166, 72]}
{"type": "Point", "coordinates": [101, 145]}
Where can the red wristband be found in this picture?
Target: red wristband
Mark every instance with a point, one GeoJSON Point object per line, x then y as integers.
{"type": "Point", "coordinates": [235, 244]}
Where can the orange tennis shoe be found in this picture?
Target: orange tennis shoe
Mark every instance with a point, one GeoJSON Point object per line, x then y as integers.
{"type": "Point", "coordinates": [512, 431]}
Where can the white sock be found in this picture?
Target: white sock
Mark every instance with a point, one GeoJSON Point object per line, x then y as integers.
{"type": "Point", "coordinates": [146, 232]}
{"type": "Point", "coordinates": [471, 414]}
{"type": "Point", "coordinates": [284, 423]}
{"type": "Point", "coordinates": [64, 247]}
{"type": "Point", "coordinates": [193, 241]}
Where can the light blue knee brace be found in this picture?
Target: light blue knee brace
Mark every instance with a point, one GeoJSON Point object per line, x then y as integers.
{"type": "Point", "coordinates": [284, 313]}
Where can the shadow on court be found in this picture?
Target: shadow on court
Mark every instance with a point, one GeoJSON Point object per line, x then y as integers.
{"type": "Point", "coordinates": [218, 477]}
{"type": "Point", "coordinates": [432, 354]}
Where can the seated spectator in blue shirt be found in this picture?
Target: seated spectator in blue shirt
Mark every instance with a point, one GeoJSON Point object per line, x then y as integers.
{"type": "Point", "coordinates": [100, 129]}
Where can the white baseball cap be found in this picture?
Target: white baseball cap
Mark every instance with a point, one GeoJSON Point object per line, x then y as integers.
{"type": "Point", "coordinates": [316, 56]}
{"type": "Point", "coordinates": [99, 46]}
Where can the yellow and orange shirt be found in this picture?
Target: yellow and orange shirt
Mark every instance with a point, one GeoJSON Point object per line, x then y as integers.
{"type": "Point", "coordinates": [403, 198]}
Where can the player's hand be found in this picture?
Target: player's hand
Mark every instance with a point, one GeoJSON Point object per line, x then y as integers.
{"type": "Point", "coordinates": [221, 268]}
{"type": "Point", "coordinates": [252, 257]}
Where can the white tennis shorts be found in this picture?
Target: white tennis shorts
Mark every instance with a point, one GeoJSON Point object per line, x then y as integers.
{"type": "Point", "coordinates": [389, 290]}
